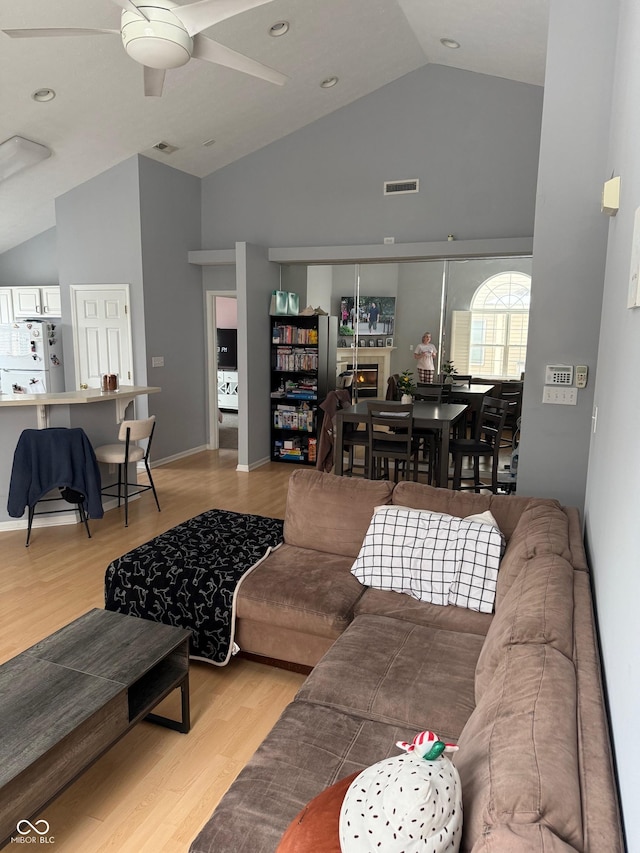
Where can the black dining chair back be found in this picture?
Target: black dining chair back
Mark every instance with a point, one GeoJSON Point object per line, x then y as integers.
{"type": "Point", "coordinates": [391, 437]}
{"type": "Point", "coordinates": [432, 392]}
{"type": "Point", "coordinates": [511, 393]}
{"type": "Point", "coordinates": [461, 378]}
{"type": "Point", "coordinates": [484, 443]}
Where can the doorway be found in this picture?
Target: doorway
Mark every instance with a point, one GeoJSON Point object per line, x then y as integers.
{"type": "Point", "coordinates": [222, 327]}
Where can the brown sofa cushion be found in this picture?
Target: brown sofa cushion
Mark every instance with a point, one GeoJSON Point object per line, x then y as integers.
{"type": "Point", "coordinates": [527, 838]}
{"type": "Point", "coordinates": [399, 673]}
{"type": "Point", "coordinates": [518, 752]}
{"type": "Point", "coordinates": [315, 829]}
{"type": "Point", "coordinates": [301, 589]}
{"type": "Point", "coordinates": [536, 609]}
{"type": "Point", "coordinates": [542, 529]}
{"type": "Point", "coordinates": [506, 509]}
{"type": "Point", "coordinates": [308, 749]}
{"type": "Point", "coordinates": [331, 514]}
{"type": "Point", "coordinates": [399, 605]}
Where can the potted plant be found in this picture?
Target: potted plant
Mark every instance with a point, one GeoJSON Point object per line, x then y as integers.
{"type": "Point", "coordinates": [448, 371]}
{"type": "Point", "coordinates": [406, 386]}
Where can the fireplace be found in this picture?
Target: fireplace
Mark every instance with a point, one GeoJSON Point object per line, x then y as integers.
{"type": "Point", "coordinates": [365, 379]}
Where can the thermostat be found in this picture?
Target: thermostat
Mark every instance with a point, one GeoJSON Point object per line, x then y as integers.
{"type": "Point", "coordinates": [558, 374]}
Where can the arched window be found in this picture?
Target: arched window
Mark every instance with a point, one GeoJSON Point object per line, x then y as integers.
{"type": "Point", "coordinates": [491, 339]}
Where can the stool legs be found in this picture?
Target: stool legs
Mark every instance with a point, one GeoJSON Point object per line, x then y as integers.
{"type": "Point", "coordinates": [31, 512]}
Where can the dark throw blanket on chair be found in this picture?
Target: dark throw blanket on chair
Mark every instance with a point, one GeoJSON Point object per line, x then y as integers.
{"type": "Point", "coordinates": [189, 576]}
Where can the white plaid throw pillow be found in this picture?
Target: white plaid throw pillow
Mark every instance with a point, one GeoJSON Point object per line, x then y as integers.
{"type": "Point", "coordinates": [431, 556]}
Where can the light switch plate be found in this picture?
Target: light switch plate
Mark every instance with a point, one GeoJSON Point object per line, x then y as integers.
{"type": "Point", "coordinates": [157, 361]}
{"type": "Point", "coordinates": [560, 396]}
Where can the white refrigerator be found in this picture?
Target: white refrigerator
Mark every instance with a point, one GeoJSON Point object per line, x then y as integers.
{"type": "Point", "coordinates": [31, 358]}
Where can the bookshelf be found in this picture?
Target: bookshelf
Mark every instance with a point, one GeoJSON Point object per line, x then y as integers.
{"type": "Point", "coordinates": [303, 371]}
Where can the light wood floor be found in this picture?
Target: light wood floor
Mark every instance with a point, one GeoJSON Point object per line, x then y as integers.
{"type": "Point", "coordinates": [152, 792]}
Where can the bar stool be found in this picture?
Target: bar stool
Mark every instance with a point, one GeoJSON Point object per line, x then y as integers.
{"type": "Point", "coordinates": [124, 453]}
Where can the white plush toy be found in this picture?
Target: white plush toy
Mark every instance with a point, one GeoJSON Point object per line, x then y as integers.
{"type": "Point", "coordinates": [410, 803]}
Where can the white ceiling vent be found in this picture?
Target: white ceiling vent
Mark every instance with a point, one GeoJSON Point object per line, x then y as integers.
{"type": "Point", "coordinates": [165, 147]}
{"type": "Point", "coordinates": [401, 187]}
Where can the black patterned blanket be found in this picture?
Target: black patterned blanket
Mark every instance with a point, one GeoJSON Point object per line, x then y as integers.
{"type": "Point", "coordinates": [190, 575]}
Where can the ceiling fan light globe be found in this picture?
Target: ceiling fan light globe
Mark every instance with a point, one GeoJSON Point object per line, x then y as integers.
{"type": "Point", "coordinates": [157, 44]}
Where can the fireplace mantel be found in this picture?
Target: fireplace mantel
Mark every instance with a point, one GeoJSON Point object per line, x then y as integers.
{"type": "Point", "coordinates": [381, 356]}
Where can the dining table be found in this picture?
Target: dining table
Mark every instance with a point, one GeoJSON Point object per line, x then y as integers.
{"type": "Point", "coordinates": [440, 417]}
{"type": "Point", "coordinates": [472, 393]}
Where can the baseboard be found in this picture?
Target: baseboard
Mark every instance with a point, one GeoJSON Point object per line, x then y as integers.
{"type": "Point", "coordinates": [157, 462]}
{"type": "Point", "coordinates": [56, 520]}
{"type": "Point", "coordinates": [248, 468]}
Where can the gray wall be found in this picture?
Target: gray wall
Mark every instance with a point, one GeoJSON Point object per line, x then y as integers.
{"type": "Point", "coordinates": [134, 224]}
{"type": "Point", "coordinates": [256, 278]}
{"type": "Point", "coordinates": [611, 512]}
{"type": "Point", "coordinates": [98, 237]}
{"type": "Point", "coordinates": [34, 262]}
{"type": "Point", "coordinates": [174, 322]}
{"type": "Point", "coordinates": [569, 245]}
{"type": "Point", "coordinates": [472, 140]}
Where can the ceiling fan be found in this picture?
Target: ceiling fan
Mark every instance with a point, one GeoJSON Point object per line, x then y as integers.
{"type": "Point", "coordinates": [161, 34]}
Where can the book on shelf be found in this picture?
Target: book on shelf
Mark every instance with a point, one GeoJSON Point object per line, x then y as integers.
{"type": "Point", "coordinates": [284, 334]}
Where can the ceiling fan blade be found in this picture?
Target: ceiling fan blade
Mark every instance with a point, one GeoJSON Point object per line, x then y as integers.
{"type": "Point", "coordinates": [153, 81]}
{"type": "Point", "coordinates": [52, 32]}
{"type": "Point", "coordinates": [128, 6]}
{"type": "Point", "coordinates": [205, 13]}
{"type": "Point", "coordinates": [212, 51]}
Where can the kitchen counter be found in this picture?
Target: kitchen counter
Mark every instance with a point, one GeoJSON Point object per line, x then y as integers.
{"type": "Point", "coordinates": [122, 397]}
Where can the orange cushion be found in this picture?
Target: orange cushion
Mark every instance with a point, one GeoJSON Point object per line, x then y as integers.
{"type": "Point", "coordinates": [315, 828]}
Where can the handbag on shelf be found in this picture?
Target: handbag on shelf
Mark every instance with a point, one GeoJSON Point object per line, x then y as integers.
{"type": "Point", "coordinates": [284, 303]}
{"type": "Point", "coordinates": [279, 303]}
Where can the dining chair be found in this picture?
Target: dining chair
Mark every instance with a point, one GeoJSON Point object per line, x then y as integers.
{"type": "Point", "coordinates": [484, 443]}
{"type": "Point", "coordinates": [53, 465]}
{"type": "Point", "coordinates": [127, 451]}
{"type": "Point", "coordinates": [468, 424]}
{"type": "Point", "coordinates": [461, 377]}
{"type": "Point", "coordinates": [433, 392]}
{"type": "Point", "coordinates": [392, 387]}
{"type": "Point", "coordinates": [391, 437]}
{"type": "Point", "coordinates": [511, 392]}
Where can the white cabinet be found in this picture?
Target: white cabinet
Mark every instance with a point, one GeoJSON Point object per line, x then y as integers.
{"type": "Point", "coordinates": [6, 305]}
{"type": "Point", "coordinates": [228, 389]}
{"type": "Point", "coordinates": [36, 302]}
{"type": "Point", "coordinates": [51, 301]}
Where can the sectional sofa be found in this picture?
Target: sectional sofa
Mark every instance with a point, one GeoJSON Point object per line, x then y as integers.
{"type": "Point", "coordinates": [518, 689]}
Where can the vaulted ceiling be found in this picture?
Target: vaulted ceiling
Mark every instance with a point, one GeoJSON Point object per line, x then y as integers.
{"type": "Point", "coordinates": [100, 115]}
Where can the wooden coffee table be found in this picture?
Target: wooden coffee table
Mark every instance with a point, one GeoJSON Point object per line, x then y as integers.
{"type": "Point", "coordinates": [66, 700]}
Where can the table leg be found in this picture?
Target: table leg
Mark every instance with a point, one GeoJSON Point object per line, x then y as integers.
{"type": "Point", "coordinates": [337, 447]}
{"type": "Point", "coordinates": [182, 725]}
{"type": "Point", "coordinates": [443, 473]}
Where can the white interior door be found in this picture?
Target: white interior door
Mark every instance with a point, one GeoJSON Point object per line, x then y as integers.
{"type": "Point", "coordinates": [102, 333]}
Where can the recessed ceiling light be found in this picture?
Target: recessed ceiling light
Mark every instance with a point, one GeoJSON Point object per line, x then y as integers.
{"type": "Point", "coordinates": [452, 43]}
{"type": "Point", "coordinates": [328, 82]}
{"type": "Point", "coordinates": [43, 95]}
{"type": "Point", "coordinates": [279, 28]}
{"type": "Point", "coordinates": [208, 143]}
